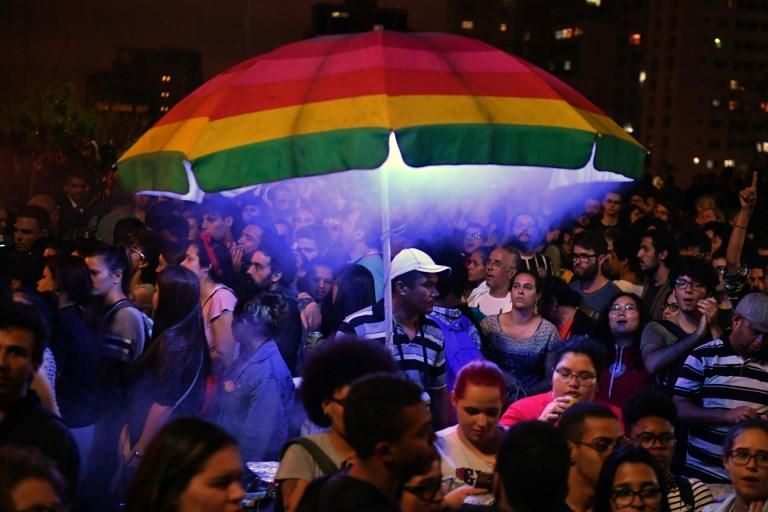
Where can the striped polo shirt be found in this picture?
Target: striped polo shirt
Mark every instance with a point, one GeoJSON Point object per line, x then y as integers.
{"type": "Point", "coordinates": [421, 359]}
{"type": "Point", "coordinates": [716, 377]}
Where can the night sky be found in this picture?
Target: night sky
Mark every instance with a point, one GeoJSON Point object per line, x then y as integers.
{"type": "Point", "coordinates": [48, 42]}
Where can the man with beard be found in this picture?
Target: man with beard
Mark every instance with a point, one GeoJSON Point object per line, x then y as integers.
{"type": "Point", "coordinates": [724, 382]}
{"type": "Point", "coordinates": [390, 429]}
{"type": "Point", "coordinates": [664, 344]}
{"type": "Point", "coordinates": [656, 256]}
{"type": "Point", "coordinates": [590, 252]}
{"type": "Point", "coordinates": [272, 269]}
{"type": "Point", "coordinates": [526, 235]}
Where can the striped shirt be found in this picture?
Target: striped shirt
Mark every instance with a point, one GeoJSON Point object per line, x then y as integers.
{"type": "Point", "coordinates": [421, 359]}
{"type": "Point", "coordinates": [716, 377]}
{"type": "Point", "coordinates": [702, 496]}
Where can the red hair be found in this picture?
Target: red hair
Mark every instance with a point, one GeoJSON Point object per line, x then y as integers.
{"type": "Point", "coordinates": [480, 373]}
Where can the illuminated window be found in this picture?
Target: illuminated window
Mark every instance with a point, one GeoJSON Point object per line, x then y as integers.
{"type": "Point", "coordinates": [503, 27]}
{"type": "Point", "coordinates": [715, 103]}
{"type": "Point", "coordinates": [635, 39]}
{"type": "Point", "coordinates": [467, 24]}
{"type": "Point", "coordinates": [567, 65]}
{"type": "Point", "coordinates": [526, 37]}
{"type": "Point", "coordinates": [696, 160]}
{"type": "Point", "coordinates": [378, 27]}
{"type": "Point", "coordinates": [734, 85]}
{"type": "Point", "coordinates": [641, 77]}
{"type": "Point", "coordinates": [729, 163]}
{"type": "Point", "coordinates": [764, 106]}
{"type": "Point", "coordinates": [568, 33]}
{"type": "Point", "coordinates": [628, 128]}
{"type": "Point", "coordinates": [710, 164]}
{"type": "Point", "coordinates": [165, 94]}
{"type": "Point", "coordinates": [718, 43]}
{"type": "Point", "coordinates": [596, 3]}
{"type": "Point", "coordinates": [339, 14]}
{"type": "Point", "coordinates": [733, 105]}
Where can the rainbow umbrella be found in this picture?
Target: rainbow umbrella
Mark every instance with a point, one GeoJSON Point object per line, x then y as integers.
{"type": "Point", "coordinates": [329, 104]}
{"type": "Point", "coordinates": [349, 102]}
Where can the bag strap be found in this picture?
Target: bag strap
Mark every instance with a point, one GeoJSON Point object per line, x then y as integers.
{"type": "Point", "coordinates": [326, 465]}
{"type": "Point", "coordinates": [686, 491]}
{"type": "Point", "coordinates": [191, 386]}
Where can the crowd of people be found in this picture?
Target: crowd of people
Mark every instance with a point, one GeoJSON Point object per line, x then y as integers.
{"type": "Point", "coordinates": [612, 357]}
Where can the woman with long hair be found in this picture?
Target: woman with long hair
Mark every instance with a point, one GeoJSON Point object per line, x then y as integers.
{"type": "Point", "coordinates": [468, 449]}
{"type": "Point", "coordinates": [520, 341]}
{"type": "Point", "coordinates": [190, 466]}
{"type": "Point", "coordinates": [631, 479]}
{"type": "Point", "coordinates": [211, 263]}
{"type": "Point", "coordinates": [169, 378]}
{"type": "Point", "coordinates": [353, 289]}
{"type": "Point", "coordinates": [620, 327]}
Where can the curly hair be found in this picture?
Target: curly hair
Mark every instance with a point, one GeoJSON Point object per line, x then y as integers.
{"type": "Point", "coordinates": [335, 364]}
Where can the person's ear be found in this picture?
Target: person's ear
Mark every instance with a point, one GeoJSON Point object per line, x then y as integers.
{"type": "Point", "coordinates": [358, 234]}
{"type": "Point", "coordinates": [573, 447]}
{"type": "Point", "coordinates": [453, 399]}
{"type": "Point", "coordinates": [401, 288]}
{"type": "Point", "coordinates": [276, 277]}
{"type": "Point", "coordinates": [663, 255]}
{"type": "Point", "coordinates": [385, 451]}
{"type": "Point", "coordinates": [602, 259]}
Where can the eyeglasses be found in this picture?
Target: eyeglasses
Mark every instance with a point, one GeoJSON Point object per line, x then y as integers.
{"type": "Point", "coordinates": [741, 457]}
{"type": "Point", "coordinates": [604, 446]}
{"type": "Point", "coordinates": [428, 490]}
{"type": "Point", "coordinates": [671, 306]}
{"type": "Point", "coordinates": [496, 264]}
{"type": "Point", "coordinates": [647, 440]}
{"type": "Point", "coordinates": [583, 256]}
{"type": "Point", "coordinates": [684, 283]}
{"type": "Point", "coordinates": [581, 377]}
{"type": "Point", "coordinates": [473, 236]}
{"type": "Point", "coordinates": [616, 308]}
{"type": "Point", "coordinates": [623, 497]}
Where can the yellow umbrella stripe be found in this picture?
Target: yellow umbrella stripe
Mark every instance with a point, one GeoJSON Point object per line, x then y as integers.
{"type": "Point", "coordinates": [197, 137]}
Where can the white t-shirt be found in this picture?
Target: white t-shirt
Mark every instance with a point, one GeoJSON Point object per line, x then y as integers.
{"type": "Point", "coordinates": [458, 461]}
{"type": "Point", "coordinates": [481, 298]}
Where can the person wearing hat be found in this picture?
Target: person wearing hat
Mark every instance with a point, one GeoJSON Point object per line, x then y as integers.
{"type": "Point", "coordinates": [418, 343]}
{"type": "Point", "coordinates": [724, 382]}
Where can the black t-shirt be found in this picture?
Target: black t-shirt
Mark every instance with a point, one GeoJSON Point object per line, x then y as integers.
{"type": "Point", "coordinates": [343, 493]}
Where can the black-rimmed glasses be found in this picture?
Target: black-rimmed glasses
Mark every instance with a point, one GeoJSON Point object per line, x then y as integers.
{"type": "Point", "coordinates": [623, 497]}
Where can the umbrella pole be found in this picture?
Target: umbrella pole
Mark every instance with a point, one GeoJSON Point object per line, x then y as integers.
{"type": "Point", "coordinates": [386, 246]}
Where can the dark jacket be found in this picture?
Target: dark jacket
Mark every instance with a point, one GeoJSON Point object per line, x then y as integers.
{"type": "Point", "coordinates": [28, 424]}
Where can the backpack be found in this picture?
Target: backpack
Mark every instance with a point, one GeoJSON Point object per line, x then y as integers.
{"type": "Point", "coordinates": [323, 461]}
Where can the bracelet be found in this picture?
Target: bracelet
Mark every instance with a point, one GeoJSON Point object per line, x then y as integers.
{"type": "Point", "coordinates": [739, 226]}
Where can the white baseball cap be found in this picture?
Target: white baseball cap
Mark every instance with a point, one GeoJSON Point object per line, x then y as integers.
{"type": "Point", "coordinates": [408, 260]}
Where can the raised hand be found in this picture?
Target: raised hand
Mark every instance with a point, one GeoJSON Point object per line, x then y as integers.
{"type": "Point", "coordinates": [748, 196]}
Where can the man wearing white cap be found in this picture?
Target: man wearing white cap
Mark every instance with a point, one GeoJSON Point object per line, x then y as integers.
{"type": "Point", "coordinates": [417, 340]}
{"type": "Point", "coordinates": [724, 382]}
